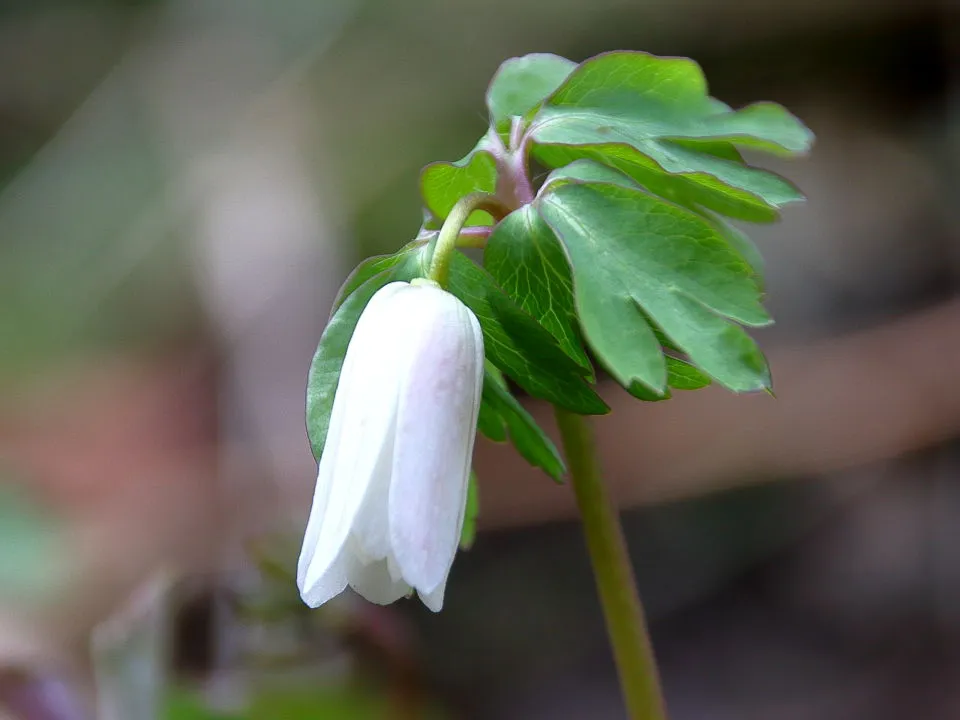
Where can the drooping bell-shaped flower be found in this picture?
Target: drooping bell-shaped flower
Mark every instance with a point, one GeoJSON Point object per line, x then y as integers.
{"type": "Point", "coordinates": [392, 480]}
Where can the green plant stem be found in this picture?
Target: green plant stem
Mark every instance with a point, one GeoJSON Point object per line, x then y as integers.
{"type": "Point", "coordinates": [446, 241]}
{"type": "Point", "coordinates": [616, 585]}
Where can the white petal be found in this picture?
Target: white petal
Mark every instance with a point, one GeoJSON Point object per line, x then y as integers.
{"type": "Point", "coordinates": [436, 426]}
{"type": "Point", "coordinates": [374, 582]}
{"type": "Point", "coordinates": [433, 600]}
{"type": "Point", "coordinates": [331, 580]}
{"type": "Point", "coordinates": [358, 447]}
{"type": "Point", "coordinates": [370, 532]}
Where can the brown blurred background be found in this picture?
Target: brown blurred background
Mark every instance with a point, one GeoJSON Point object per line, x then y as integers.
{"type": "Point", "coordinates": [185, 183]}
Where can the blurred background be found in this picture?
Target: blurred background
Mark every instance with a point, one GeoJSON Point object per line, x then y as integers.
{"type": "Point", "coordinates": [183, 186]}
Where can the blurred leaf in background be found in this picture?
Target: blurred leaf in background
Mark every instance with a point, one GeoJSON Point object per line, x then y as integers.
{"type": "Point", "coordinates": [34, 554]}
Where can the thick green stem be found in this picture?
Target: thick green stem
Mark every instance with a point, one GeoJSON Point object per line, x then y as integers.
{"type": "Point", "coordinates": [636, 666]}
{"type": "Point", "coordinates": [446, 241]}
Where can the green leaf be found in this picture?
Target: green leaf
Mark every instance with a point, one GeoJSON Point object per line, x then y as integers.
{"type": "Point", "coordinates": [624, 79]}
{"type": "Point", "coordinates": [490, 424]}
{"type": "Point", "coordinates": [366, 270]}
{"type": "Point", "coordinates": [642, 392]}
{"type": "Point", "coordinates": [586, 170]}
{"type": "Point", "coordinates": [409, 262]}
{"type": "Point", "coordinates": [324, 372]}
{"type": "Point", "coordinates": [181, 704]}
{"type": "Point", "coordinates": [528, 262]}
{"type": "Point", "coordinates": [746, 248]}
{"type": "Point", "coordinates": [764, 126]}
{"type": "Point", "coordinates": [34, 558]}
{"type": "Point", "coordinates": [442, 184]}
{"type": "Point", "coordinates": [528, 438]}
{"type": "Point", "coordinates": [669, 96]}
{"type": "Point", "coordinates": [681, 375]}
{"type": "Point", "coordinates": [519, 345]}
{"type": "Point", "coordinates": [684, 176]}
{"type": "Point", "coordinates": [470, 513]}
{"type": "Point", "coordinates": [636, 256]}
{"type": "Point", "coordinates": [309, 701]}
{"type": "Point", "coordinates": [522, 83]}
{"type": "Point", "coordinates": [651, 118]}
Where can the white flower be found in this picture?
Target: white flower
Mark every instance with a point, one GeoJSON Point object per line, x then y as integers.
{"type": "Point", "coordinates": [392, 480]}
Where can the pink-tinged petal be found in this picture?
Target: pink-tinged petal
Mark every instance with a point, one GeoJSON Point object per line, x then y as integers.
{"type": "Point", "coordinates": [436, 426]}
{"type": "Point", "coordinates": [358, 448]}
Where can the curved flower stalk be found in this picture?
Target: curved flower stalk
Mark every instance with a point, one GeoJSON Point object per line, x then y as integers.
{"type": "Point", "coordinates": [392, 480]}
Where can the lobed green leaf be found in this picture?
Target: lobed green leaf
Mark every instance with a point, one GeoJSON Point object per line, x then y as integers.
{"type": "Point", "coordinates": [528, 262]}
{"type": "Point", "coordinates": [519, 346]}
{"type": "Point", "coordinates": [669, 96]}
{"type": "Point", "coordinates": [681, 375]}
{"type": "Point", "coordinates": [684, 176]}
{"type": "Point", "coordinates": [442, 183]}
{"type": "Point", "coordinates": [652, 119]}
{"type": "Point", "coordinates": [521, 84]}
{"type": "Point", "coordinates": [745, 247]}
{"type": "Point", "coordinates": [587, 170]}
{"type": "Point", "coordinates": [634, 257]}
{"type": "Point", "coordinates": [527, 437]}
